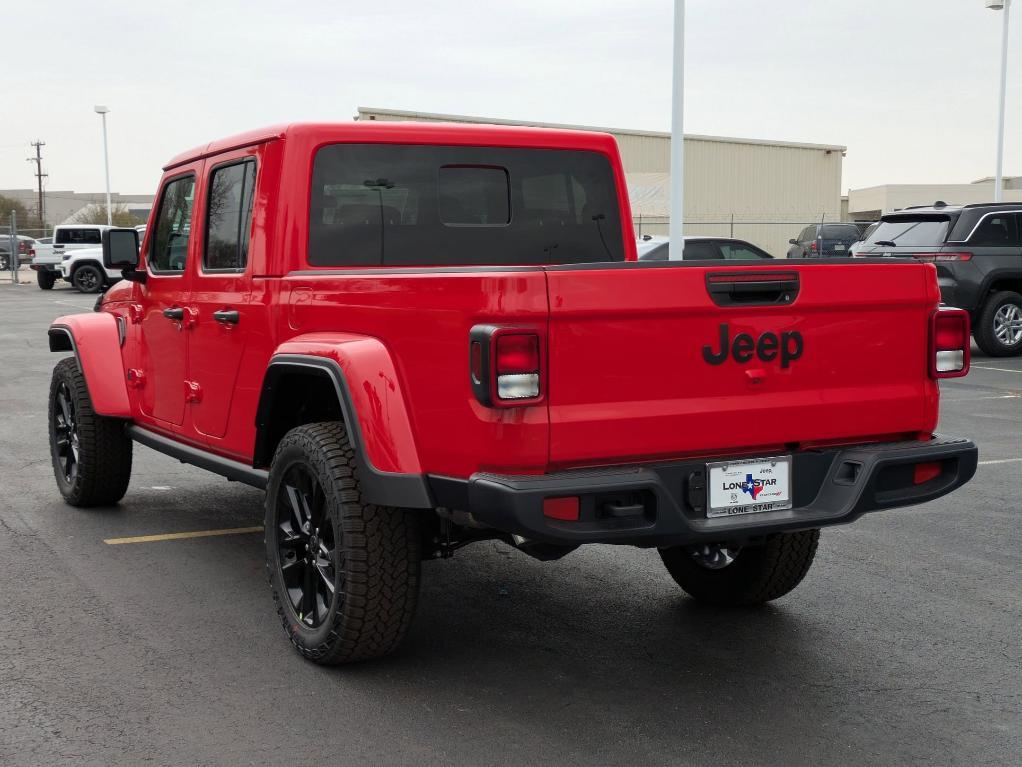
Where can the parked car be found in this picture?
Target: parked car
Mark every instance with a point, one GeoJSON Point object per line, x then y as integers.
{"type": "Point", "coordinates": [977, 250]}
{"type": "Point", "coordinates": [859, 244]}
{"type": "Point", "coordinates": [24, 247]}
{"type": "Point", "coordinates": [85, 271]}
{"type": "Point", "coordinates": [510, 375]}
{"type": "Point", "coordinates": [652, 248]}
{"type": "Point", "coordinates": [823, 241]}
{"type": "Point", "coordinates": [66, 238]}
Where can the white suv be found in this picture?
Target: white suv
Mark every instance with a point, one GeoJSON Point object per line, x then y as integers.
{"type": "Point", "coordinates": [67, 238]}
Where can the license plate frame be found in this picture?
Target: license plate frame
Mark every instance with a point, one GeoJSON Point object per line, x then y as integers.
{"type": "Point", "coordinates": [732, 478]}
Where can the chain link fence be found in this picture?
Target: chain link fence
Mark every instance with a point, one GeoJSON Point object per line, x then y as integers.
{"type": "Point", "coordinates": [770, 235]}
{"type": "Point", "coordinates": [15, 244]}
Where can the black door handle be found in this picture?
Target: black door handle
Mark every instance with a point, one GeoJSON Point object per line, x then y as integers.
{"type": "Point", "coordinates": [174, 314]}
{"type": "Point", "coordinates": [227, 316]}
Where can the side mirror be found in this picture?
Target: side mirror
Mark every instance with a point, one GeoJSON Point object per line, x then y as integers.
{"type": "Point", "coordinates": [120, 248]}
{"type": "Point", "coordinates": [793, 241]}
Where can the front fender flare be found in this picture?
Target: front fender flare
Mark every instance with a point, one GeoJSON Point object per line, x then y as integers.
{"type": "Point", "coordinates": [373, 404]}
{"type": "Point", "coordinates": [95, 340]}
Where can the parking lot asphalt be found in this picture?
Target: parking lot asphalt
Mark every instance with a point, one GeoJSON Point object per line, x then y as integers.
{"type": "Point", "coordinates": [902, 646]}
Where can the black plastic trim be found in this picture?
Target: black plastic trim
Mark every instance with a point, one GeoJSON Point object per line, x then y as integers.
{"type": "Point", "coordinates": [196, 456]}
{"type": "Point", "coordinates": [409, 491]}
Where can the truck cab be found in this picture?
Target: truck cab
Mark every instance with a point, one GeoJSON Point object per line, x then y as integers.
{"type": "Point", "coordinates": [419, 336]}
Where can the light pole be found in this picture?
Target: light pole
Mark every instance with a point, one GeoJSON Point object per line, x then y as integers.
{"type": "Point", "coordinates": [676, 247]}
{"type": "Point", "coordinates": [101, 110]}
{"type": "Point", "coordinates": [1005, 6]}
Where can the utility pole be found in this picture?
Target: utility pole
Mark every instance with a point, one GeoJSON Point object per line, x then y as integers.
{"type": "Point", "coordinates": [38, 160]}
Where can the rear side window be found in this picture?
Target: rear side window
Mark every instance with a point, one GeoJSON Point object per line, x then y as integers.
{"type": "Point", "coordinates": [229, 217]}
{"type": "Point", "coordinates": [994, 230]}
{"type": "Point", "coordinates": [79, 237]}
{"type": "Point", "coordinates": [398, 205]}
{"type": "Point", "coordinates": [169, 249]}
{"type": "Point", "coordinates": [911, 231]}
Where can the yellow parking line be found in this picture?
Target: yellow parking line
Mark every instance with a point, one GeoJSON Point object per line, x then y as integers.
{"type": "Point", "coordinates": [180, 536]}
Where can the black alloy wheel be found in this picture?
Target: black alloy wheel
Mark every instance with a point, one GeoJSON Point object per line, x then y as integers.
{"type": "Point", "coordinates": [65, 433]}
{"type": "Point", "coordinates": [306, 546]}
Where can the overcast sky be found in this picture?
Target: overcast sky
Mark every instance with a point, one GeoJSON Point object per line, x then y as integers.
{"type": "Point", "coordinates": [909, 86]}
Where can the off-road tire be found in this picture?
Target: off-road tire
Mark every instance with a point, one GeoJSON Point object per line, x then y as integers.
{"type": "Point", "coordinates": [984, 334]}
{"type": "Point", "coordinates": [758, 574]}
{"type": "Point", "coordinates": [45, 280]}
{"type": "Point", "coordinates": [87, 278]}
{"type": "Point", "coordinates": [376, 554]}
{"type": "Point", "coordinates": [104, 450]}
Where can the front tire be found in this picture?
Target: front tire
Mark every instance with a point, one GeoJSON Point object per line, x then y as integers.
{"type": "Point", "coordinates": [45, 280]}
{"type": "Point", "coordinates": [344, 573]}
{"type": "Point", "coordinates": [731, 576]}
{"type": "Point", "coordinates": [91, 454]}
{"type": "Point", "coordinates": [998, 330]}
{"type": "Point", "coordinates": [87, 278]}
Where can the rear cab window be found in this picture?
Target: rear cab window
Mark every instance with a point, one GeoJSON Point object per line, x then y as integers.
{"type": "Point", "coordinates": [839, 232]}
{"type": "Point", "coordinates": [400, 205]}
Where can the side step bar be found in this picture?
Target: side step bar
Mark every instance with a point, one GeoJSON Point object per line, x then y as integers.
{"type": "Point", "coordinates": [225, 467]}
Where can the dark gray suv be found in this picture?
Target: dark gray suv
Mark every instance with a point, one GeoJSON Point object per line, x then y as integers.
{"type": "Point", "coordinates": [824, 241]}
{"type": "Point", "coordinates": [978, 253]}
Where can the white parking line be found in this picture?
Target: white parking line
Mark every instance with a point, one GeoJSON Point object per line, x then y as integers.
{"type": "Point", "coordinates": [973, 399]}
{"type": "Point", "coordinates": [1002, 460]}
{"type": "Point", "coordinates": [1000, 370]}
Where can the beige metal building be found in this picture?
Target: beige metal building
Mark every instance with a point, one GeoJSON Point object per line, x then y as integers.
{"type": "Point", "coordinates": [872, 202]}
{"type": "Point", "coordinates": [761, 191]}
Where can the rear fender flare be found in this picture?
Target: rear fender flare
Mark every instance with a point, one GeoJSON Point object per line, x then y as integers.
{"type": "Point", "coordinates": [371, 400]}
{"type": "Point", "coordinates": [95, 340]}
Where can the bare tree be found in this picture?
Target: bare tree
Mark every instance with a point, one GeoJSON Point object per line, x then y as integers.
{"type": "Point", "coordinates": [96, 214]}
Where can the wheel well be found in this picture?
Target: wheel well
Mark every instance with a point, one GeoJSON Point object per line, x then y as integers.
{"type": "Point", "coordinates": [96, 264]}
{"type": "Point", "coordinates": [1014, 284]}
{"type": "Point", "coordinates": [290, 398]}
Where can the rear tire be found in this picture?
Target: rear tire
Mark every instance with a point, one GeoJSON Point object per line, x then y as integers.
{"type": "Point", "coordinates": [45, 280]}
{"type": "Point", "coordinates": [998, 330]}
{"type": "Point", "coordinates": [87, 278]}
{"type": "Point", "coordinates": [755, 575]}
{"type": "Point", "coordinates": [344, 573]}
{"type": "Point", "coordinates": [91, 454]}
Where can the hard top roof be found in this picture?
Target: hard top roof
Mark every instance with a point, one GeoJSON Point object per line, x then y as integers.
{"type": "Point", "coordinates": [387, 132]}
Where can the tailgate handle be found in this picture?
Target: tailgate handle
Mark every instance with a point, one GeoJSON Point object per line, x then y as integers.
{"type": "Point", "coordinates": [752, 288]}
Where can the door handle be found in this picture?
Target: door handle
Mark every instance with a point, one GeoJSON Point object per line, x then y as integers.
{"type": "Point", "coordinates": [177, 313]}
{"type": "Point", "coordinates": [227, 316]}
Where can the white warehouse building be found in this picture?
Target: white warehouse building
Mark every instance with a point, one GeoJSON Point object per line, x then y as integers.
{"type": "Point", "coordinates": [757, 190]}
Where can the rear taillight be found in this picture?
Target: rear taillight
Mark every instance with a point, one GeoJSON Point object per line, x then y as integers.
{"type": "Point", "coordinates": [812, 246]}
{"type": "Point", "coordinates": [506, 365]}
{"type": "Point", "coordinates": [31, 252]}
{"type": "Point", "coordinates": [949, 343]}
{"type": "Point", "coordinates": [941, 256]}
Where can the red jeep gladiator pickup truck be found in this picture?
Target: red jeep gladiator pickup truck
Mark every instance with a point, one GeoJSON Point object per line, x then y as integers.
{"type": "Point", "coordinates": [417, 336]}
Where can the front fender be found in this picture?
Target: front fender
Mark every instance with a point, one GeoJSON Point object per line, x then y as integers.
{"type": "Point", "coordinates": [96, 342]}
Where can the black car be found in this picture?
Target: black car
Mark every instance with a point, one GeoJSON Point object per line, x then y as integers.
{"type": "Point", "coordinates": [978, 253]}
{"type": "Point", "coordinates": [824, 240]}
{"type": "Point", "coordinates": [701, 248]}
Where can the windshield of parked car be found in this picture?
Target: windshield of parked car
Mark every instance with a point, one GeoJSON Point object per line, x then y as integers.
{"type": "Point", "coordinates": [393, 205]}
{"type": "Point", "coordinates": [911, 230]}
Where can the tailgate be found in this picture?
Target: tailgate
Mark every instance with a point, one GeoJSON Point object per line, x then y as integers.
{"type": "Point", "coordinates": [639, 369]}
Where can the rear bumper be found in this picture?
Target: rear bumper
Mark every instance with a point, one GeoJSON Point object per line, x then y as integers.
{"type": "Point", "coordinates": [52, 268]}
{"type": "Point", "coordinates": [667, 501]}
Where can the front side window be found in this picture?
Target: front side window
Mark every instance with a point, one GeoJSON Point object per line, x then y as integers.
{"type": "Point", "coordinates": [229, 217]}
{"type": "Point", "coordinates": [398, 205]}
{"type": "Point", "coordinates": [169, 249]}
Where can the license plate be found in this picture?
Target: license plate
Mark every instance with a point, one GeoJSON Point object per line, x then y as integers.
{"type": "Point", "coordinates": [748, 486]}
{"type": "Point", "coordinates": [839, 246]}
